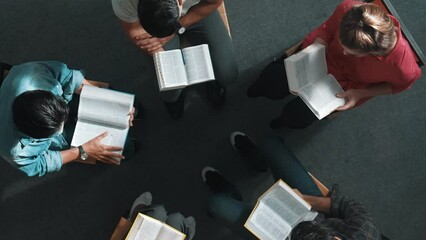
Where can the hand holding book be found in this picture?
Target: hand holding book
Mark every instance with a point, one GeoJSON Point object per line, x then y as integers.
{"type": "Point", "coordinates": [101, 152]}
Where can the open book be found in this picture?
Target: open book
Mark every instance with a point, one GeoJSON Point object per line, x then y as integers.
{"type": "Point", "coordinates": [307, 77]}
{"type": "Point", "coordinates": [180, 68]}
{"type": "Point", "coordinates": [103, 110]}
{"type": "Point", "coordinates": [277, 211]}
{"type": "Point", "coordinates": [147, 228]}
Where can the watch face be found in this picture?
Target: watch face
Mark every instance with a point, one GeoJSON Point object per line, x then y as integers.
{"type": "Point", "coordinates": [83, 154]}
{"type": "Point", "coordinates": [181, 30]}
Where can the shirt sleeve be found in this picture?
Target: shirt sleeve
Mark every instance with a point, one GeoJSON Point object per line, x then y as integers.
{"type": "Point", "coordinates": [353, 215]}
{"type": "Point", "coordinates": [330, 27]}
{"type": "Point", "coordinates": [126, 10]}
{"type": "Point", "coordinates": [35, 159]}
{"type": "Point", "coordinates": [407, 72]}
{"type": "Point", "coordinates": [69, 79]}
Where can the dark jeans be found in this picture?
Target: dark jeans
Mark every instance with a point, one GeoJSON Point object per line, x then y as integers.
{"type": "Point", "coordinates": [272, 84]}
{"type": "Point", "coordinates": [213, 32]}
{"type": "Point", "coordinates": [283, 164]}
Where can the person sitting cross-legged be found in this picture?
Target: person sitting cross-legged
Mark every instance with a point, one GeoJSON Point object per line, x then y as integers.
{"type": "Point", "coordinates": [159, 25]}
{"type": "Point", "coordinates": [340, 217]}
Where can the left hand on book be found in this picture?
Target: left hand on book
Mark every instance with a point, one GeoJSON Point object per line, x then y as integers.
{"type": "Point", "coordinates": [352, 97]}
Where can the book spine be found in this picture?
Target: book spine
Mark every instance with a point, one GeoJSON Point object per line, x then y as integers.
{"type": "Point", "coordinates": [160, 76]}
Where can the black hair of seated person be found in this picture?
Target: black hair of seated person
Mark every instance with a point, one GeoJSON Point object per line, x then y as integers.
{"type": "Point", "coordinates": [312, 230]}
{"type": "Point", "coordinates": [39, 113]}
{"type": "Point", "coordinates": [160, 18]}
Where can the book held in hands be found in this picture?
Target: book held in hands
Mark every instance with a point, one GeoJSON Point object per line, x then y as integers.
{"type": "Point", "coordinates": [180, 68]}
{"type": "Point", "coordinates": [307, 77]}
{"type": "Point", "coordinates": [147, 228]}
{"type": "Point", "coordinates": [103, 110]}
{"type": "Point", "coordinates": [277, 211]}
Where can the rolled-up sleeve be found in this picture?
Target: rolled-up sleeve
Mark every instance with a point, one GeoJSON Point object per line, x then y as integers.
{"type": "Point", "coordinates": [36, 159]}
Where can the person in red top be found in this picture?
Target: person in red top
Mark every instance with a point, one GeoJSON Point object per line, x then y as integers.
{"type": "Point", "coordinates": [365, 52]}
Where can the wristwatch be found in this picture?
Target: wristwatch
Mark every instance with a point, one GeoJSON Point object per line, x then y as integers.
{"type": "Point", "coordinates": [181, 30]}
{"type": "Point", "coordinates": [83, 154]}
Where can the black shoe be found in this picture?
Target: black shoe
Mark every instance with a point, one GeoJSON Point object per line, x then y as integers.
{"type": "Point", "coordinates": [175, 109]}
{"type": "Point", "coordinates": [295, 115]}
{"type": "Point", "coordinates": [216, 93]}
{"type": "Point", "coordinates": [218, 184]}
{"type": "Point", "coordinates": [245, 146]}
{"type": "Point", "coordinates": [242, 143]}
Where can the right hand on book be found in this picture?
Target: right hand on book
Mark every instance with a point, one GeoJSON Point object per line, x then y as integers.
{"type": "Point", "coordinates": [101, 152]}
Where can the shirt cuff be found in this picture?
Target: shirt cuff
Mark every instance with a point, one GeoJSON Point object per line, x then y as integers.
{"type": "Point", "coordinates": [53, 161]}
{"type": "Point", "coordinates": [336, 199]}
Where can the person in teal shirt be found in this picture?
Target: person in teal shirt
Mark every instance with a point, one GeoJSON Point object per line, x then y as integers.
{"type": "Point", "coordinates": [34, 101]}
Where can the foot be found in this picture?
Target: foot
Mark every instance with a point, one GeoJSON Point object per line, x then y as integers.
{"type": "Point", "coordinates": [190, 221]}
{"type": "Point", "coordinates": [245, 146]}
{"type": "Point", "coordinates": [216, 93]}
{"type": "Point", "coordinates": [143, 199]}
{"type": "Point", "coordinates": [242, 143]}
{"type": "Point", "coordinates": [217, 183]}
{"type": "Point", "coordinates": [175, 109]}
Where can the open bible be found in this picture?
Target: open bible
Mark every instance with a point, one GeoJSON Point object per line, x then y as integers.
{"type": "Point", "coordinates": [147, 228]}
{"type": "Point", "coordinates": [307, 77]}
{"type": "Point", "coordinates": [277, 211]}
{"type": "Point", "coordinates": [180, 68]}
{"type": "Point", "coordinates": [103, 110]}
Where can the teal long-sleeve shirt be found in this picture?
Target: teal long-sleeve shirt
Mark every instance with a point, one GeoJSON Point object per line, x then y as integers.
{"type": "Point", "coordinates": [30, 155]}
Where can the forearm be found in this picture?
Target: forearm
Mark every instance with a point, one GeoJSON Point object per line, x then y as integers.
{"type": "Point", "coordinates": [321, 204]}
{"type": "Point", "coordinates": [70, 155]}
{"type": "Point", "coordinates": [199, 12]}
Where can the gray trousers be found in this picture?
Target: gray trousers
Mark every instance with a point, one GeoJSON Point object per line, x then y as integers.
{"type": "Point", "coordinates": [213, 32]}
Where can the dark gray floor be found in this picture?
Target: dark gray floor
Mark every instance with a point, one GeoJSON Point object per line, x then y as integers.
{"type": "Point", "coordinates": [375, 152]}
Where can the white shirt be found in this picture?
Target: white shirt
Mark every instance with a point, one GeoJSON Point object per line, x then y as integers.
{"type": "Point", "coordinates": [127, 10]}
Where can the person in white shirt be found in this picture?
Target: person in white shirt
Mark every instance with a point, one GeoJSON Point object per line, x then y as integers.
{"type": "Point", "coordinates": [158, 25]}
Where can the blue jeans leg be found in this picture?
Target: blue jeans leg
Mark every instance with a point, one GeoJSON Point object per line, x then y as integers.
{"type": "Point", "coordinates": [284, 165]}
{"type": "Point", "coordinates": [230, 212]}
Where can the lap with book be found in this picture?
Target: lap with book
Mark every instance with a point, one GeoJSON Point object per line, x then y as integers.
{"type": "Point", "coordinates": [177, 68]}
{"type": "Point", "coordinates": [103, 110]}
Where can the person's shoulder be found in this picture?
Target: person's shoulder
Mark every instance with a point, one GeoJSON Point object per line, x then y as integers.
{"type": "Point", "coordinates": [125, 10]}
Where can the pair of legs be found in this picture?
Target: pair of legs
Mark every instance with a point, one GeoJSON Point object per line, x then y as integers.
{"type": "Point", "coordinates": [213, 32]}
{"type": "Point", "coordinates": [226, 204]}
{"type": "Point", "coordinates": [176, 220]}
{"type": "Point", "coordinates": [272, 84]}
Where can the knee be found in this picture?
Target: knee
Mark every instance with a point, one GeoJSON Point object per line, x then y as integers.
{"type": "Point", "coordinates": [216, 206]}
{"type": "Point", "coordinates": [226, 72]}
{"type": "Point", "coordinates": [272, 143]}
{"type": "Point", "coordinates": [176, 217]}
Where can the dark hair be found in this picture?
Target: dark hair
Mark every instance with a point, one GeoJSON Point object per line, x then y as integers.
{"type": "Point", "coordinates": [39, 113]}
{"type": "Point", "coordinates": [311, 230]}
{"type": "Point", "coordinates": [367, 29]}
{"type": "Point", "coordinates": [160, 18]}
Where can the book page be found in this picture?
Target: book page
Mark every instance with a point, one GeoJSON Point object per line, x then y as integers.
{"type": "Point", "coordinates": [170, 70]}
{"type": "Point", "coordinates": [277, 210]}
{"type": "Point", "coordinates": [306, 67]}
{"type": "Point", "coordinates": [87, 130]}
{"type": "Point", "coordinates": [266, 224]}
{"type": "Point", "coordinates": [321, 96]}
{"type": "Point", "coordinates": [148, 230]}
{"type": "Point", "coordinates": [105, 106]}
{"type": "Point", "coordinates": [169, 233]}
{"type": "Point", "coordinates": [198, 64]}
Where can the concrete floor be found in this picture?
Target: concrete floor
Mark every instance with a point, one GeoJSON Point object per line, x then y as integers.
{"type": "Point", "coordinates": [375, 152]}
